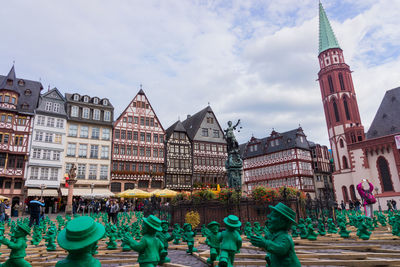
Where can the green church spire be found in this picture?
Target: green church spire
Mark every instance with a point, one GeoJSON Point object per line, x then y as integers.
{"type": "Point", "coordinates": [327, 38]}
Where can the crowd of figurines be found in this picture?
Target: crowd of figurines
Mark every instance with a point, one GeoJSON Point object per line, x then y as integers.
{"type": "Point", "coordinates": [150, 236]}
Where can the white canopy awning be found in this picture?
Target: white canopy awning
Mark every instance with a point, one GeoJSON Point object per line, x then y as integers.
{"type": "Point", "coordinates": [48, 192]}
{"type": "Point", "coordinates": [87, 192]}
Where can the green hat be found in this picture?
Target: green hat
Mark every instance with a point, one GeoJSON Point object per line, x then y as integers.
{"type": "Point", "coordinates": [186, 224]}
{"type": "Point", "coordinates": [232, 221]}
{"type": "Point", "coordinates": [285, 211]}
{"type": "Point", "coordinates": [153, 222]}
{"type": "Point", "coordinates": [164, 222]}
{"type": "Point", "coordinates": [24, 227]}
{"type": "Point", "coordinates": [213, 223]}
{"type": "Point", "coordinates": [80, 233]}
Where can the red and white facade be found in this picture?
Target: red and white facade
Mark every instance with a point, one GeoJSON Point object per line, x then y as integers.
{"type": "Point", "coordinates": [282, 159]}
{"type": "Point", "coordinates": [138, 147]}
{"type": "Point", "coordinates": [18, 99]}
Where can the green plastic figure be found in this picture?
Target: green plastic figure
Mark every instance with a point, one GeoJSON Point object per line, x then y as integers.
{"type": "Point", "coordinates": [331, 226]}
{"type": "Point", "coordinates": [212, 241]}
{"type": "Point", "coordinates": [177, 234]}
{"type": "Point", "coordinates": [17, 246]}
{"type": "Point", "coordinates": [150, 248]}
{"type": "Point", "coordinates": [396, 225]}
{"type": "Point", "coordinates": [311, 235]}
{"type": "Point", "coordinates": [303, 229]}
{"type": "Point", "coordinates": [343, 231]}
{"type": "Point", "coordinates": [125, 246]}
{"type": "Point", "coordinates": [247, 229]}
{"type": "Point", "coordinates": [294, 232]}
{"type": "Point", "coordinates": [382, 219]}
{"type": "Point", "coordinates": [230, 241]}
{"type": "Point", "coordinates": [79, 238]}
{"type": "Point", "coordinates": [36, 235]}
{"type": "Point", "coordinates": [257, 229]}
{"type": "Point", "coordinates": [112, 235]}
{"type": "Point", "coordinates": [280, 246]}
{"type": "Point", "coordinates": [188, 237]}
{"type": "Point", "coordinates": [50, 238]}
{"type": "Point", "coordinates": [363, 231]}
{"type": "Point", "coordinates": [164, 237]}
{"type": "Point", "coordinates": [321, 228]}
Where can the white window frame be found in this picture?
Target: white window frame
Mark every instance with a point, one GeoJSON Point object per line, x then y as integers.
{"type": "Point", "coordinates": [85, 113]}
{"type": "Point", "coordinates": [96, 114]}
{"type": "Point", "coordinates": [81, 131]}
{"type": "Point", "coordinates": [49, 106]}
{"type": "Point", "coordinates": [107, 115]}
{"type": "Point", "coordinates": [74, 111]}
{"type": "Point", "coordinates": [56, 107]}
{"type": "Point", "coordinates": [76, 97]}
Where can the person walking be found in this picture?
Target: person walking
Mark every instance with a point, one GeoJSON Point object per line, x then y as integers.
{"type": "Point", "coordinates": [34, 207]}
{"type": "Point", "coordinates": [394, 204]}
{"type": "Point", "coordinates": [114, 211]}
{"type": "Point", "coordinates": [343, 205]}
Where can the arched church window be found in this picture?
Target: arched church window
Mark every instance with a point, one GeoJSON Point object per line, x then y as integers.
{"type": "Point", "coordinates": [346, 109]}
{"type": "Point", "coordinates": [341, 82]}
{"type": "Point", "coordinates": [341, 143]}
{"type": "Point", "coordinates": [330, 84]}
{"type": "Point", "coordinates": [345, 194]}
{"type": "Point", "coordinates": [345, 163]}
{"type": "Point", "coordinates": [384, 174]}
{"type": "Point", "coordinates": [352, 192]}
{"type": "Point", "coordinates": [336, 111]}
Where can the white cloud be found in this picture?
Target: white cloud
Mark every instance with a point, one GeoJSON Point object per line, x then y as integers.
{"type": "Point", "coordinates": [254, 60]}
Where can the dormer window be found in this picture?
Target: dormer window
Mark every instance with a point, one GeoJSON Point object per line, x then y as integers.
{"type": "Point", "coordinates": [13, 100]}
{"type": "Point", "coordinates": [9, 82]}
{"type": "Point", "coordinates": [105, 102]}
{"type": "Point", "coordinates": [21, 82]}
{"type": "Point", "coordinates": [85, 99]}
{"type": "Point", "coordinates": [27, 92]}
{"type": "Point", "coordinates": [76, 97]}
{"type": "Point", "coordinates": [25, 106]}
{"type": "Point", "coordinates": [95, 100]}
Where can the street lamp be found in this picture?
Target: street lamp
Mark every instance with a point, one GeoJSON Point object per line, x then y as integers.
{"type": "Point", "coordinates": [379, 203]}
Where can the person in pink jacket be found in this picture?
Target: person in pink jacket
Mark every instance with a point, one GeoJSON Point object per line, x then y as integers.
{"type": "Point", "coordinates": [365, 189]}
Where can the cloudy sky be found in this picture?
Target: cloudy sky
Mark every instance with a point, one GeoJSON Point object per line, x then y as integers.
{"type": "Point", "coordinates": [254, 60]}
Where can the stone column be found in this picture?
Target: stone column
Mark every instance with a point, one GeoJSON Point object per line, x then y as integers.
{"type": "Point", "coordinates": [68, 208]}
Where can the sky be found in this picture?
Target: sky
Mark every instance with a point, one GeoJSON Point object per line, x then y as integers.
{"type": "Point", "coordinates": [251, 60]}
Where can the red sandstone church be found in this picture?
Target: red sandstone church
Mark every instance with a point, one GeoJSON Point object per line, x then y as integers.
{"type": "Point", "coordinates": [357, 155]}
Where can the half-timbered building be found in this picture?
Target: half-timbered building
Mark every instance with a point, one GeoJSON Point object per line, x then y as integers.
{"type": "Point", "coordinates": [47, 146]}
{"type": "Point", "coordinates": [138, 147]}
{"type": "Point", "coordinates": [281, 159]}
{"type": "Point", "coordinates": [18, 100]}
{"type": "Point", "coordinates": [88, 144]}
{"type": "Point", "coordinates": [208, 148]}
{"type": "Point", "coordinates": [178, 158]}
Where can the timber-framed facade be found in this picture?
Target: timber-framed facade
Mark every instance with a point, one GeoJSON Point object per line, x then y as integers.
{"type": "Point", "coordinates": [138, 147]}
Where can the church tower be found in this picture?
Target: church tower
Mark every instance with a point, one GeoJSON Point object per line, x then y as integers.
{"type": "Point", "coordinates": [338, 96]}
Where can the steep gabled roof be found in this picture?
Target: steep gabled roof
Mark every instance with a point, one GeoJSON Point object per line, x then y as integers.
{"type": "Point", "coordinates": [327, 38]}
{"type": "Point", "coordinates": [54, 90]}
{"type": "Point", "coordinates": [387, 119]}
{"type": "Point", "coordinates": [193, 123]}
{"type": "Point", "coordinates": [287, 140]}
{"type": "Point", "coordinates": [176, 127]}
{"type": "Point", "coordinates": [20, 86]}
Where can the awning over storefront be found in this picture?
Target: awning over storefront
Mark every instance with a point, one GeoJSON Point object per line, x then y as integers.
{"type": "Point", "coordinates": [87, 192]}
{"type": "Point", "coordinates": [48, 192]}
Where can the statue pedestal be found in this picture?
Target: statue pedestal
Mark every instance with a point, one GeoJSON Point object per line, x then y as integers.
{"type": "Point", "coordinates": [68, 208]}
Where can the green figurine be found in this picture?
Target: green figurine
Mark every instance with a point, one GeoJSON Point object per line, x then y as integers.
{"type": "Point", "coordinates": [50, 238]}
{"type": "Point", "coordinates": [17, 246]}
{"type": "Point", "coordinates": [212, 241]}
{"type": "Point", "coordinates": [150, 248]}
{"type": "Point", "coordinates": [303, 229]}
{"type": "Point", "coordinates": [363, 231]}
{"type": "Point", "coordinates": [164, 237]}
{"type": "Point", "coordinates": [257, 229]}
{"type": "Point", "coordinates": [188, 237]}
{"type": "Point", "coordinates": [396, 225]}
{"type": "Point", "coordinates": [311, 235]}
{"type": "Point", "coordinates": [321, 228]}
{"type": "Point", "coordinates": [177, 234]}
{"type": "Point", "coordinates": [247, 229]}
{"type": "Point", "coordinates": [280, 246]}
{"type": "Point", "coordinates": [331, 226]}
{"type": "Point", "coordinates": [294, 231]}
{"type": "Point", "coordinates": [79, 238]}
{"type": "Point", "coordinates": [230, 241]}
{"type": "Point", "coordinates": [343, 231]}
{"type": "Point", "coordinates": [112, 235]}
